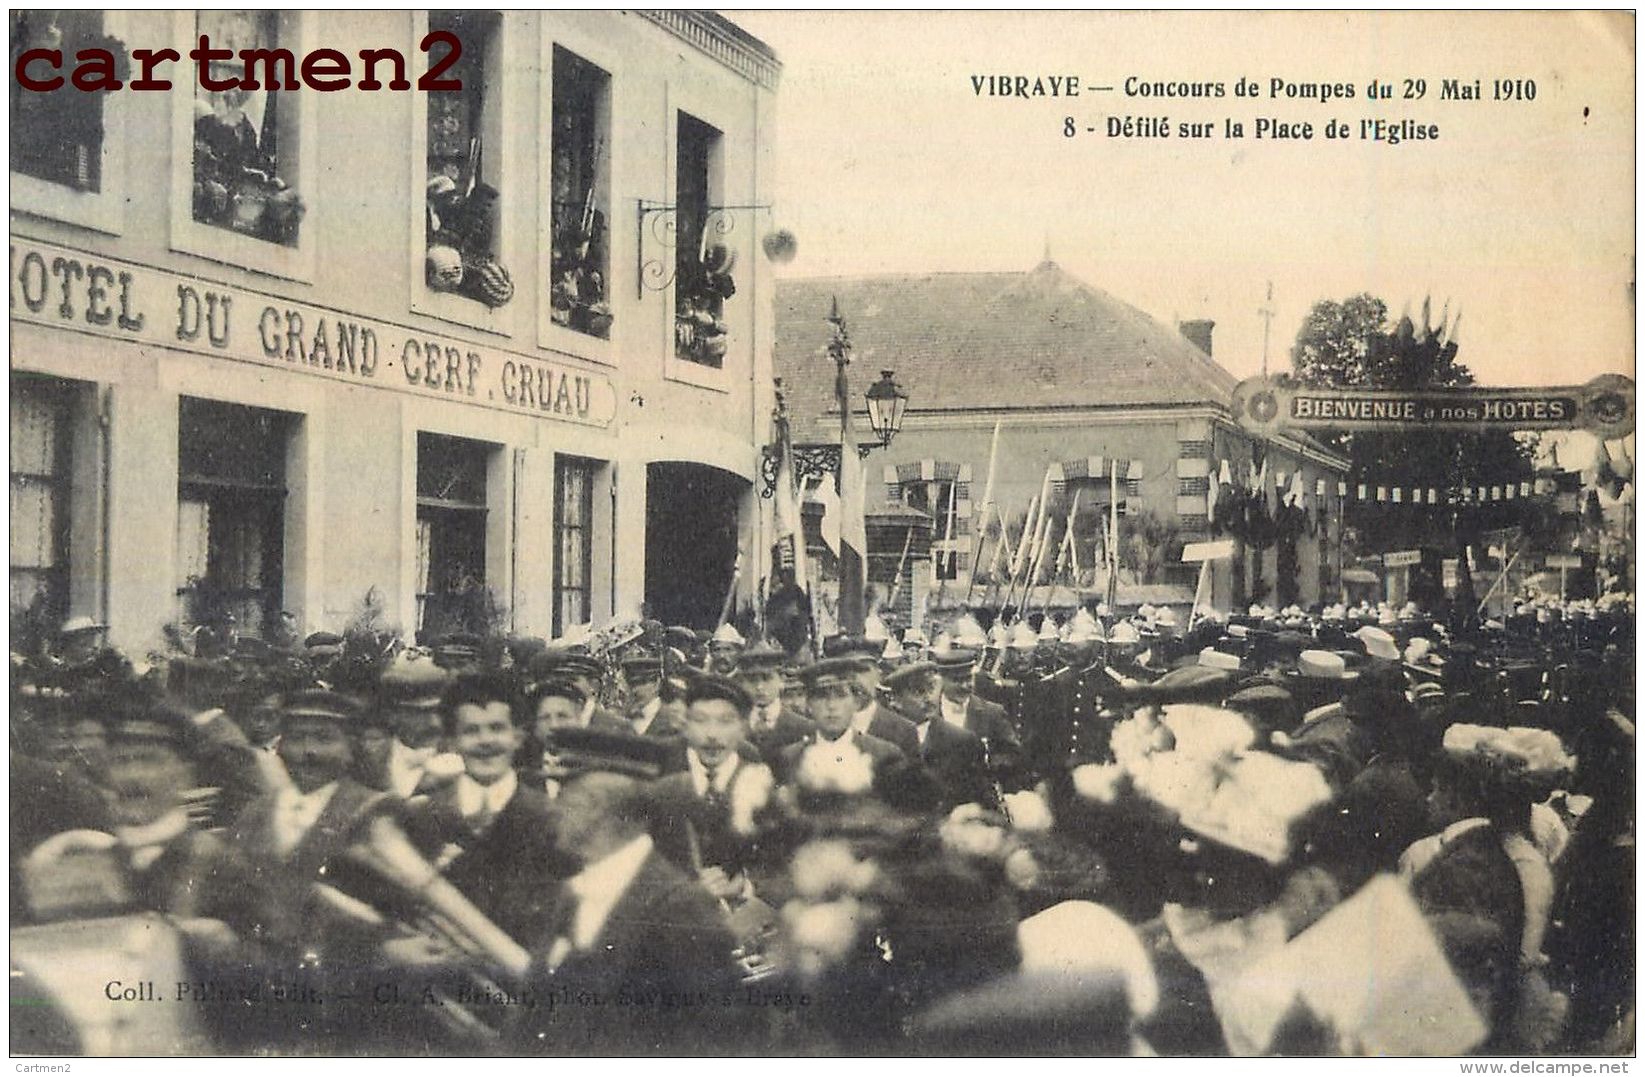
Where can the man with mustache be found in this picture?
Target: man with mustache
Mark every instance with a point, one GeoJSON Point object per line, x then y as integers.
{"type": "Point", "coordinates": [693, 806]}
{"type": "Point", "coordinates": [489, 833]}
{"type": "Point", "coordinates": [954, 756]}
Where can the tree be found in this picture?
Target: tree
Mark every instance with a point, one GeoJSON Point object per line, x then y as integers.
{"type": "Point", "coordinates": [1147, 544]}
{"type": "Point", "coordinates": [1334, 344]}
{"type": "Point", "coordinates": [1351, 344]}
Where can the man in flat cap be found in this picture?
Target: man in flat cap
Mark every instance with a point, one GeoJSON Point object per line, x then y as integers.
{"type": "Point", "coordinates": [554, 707]}
{"type": "Point", "coordinates": [693, 806]}
{"type": "Point", "coordinates": [636, 951]}
{"type": "Point", "coordinates": [490, 834]}
{"type": "Point", "coordinates": [962, 707]}
{"type": "Point", "coordinates": [870, 717]}
{"type": "Point", "coordinates": [955, 757]}
{"type": "Point", "coordinates": [301, 917]}
{"type": "Point", "coordinates": [585, 671]}
{"type": "Point", "coordinates": [169, 862]}
{"type": "Point", "coordinates": [833, 689]}
{"type": "Point", "coordinates": [409, 700]}
{"type": "Point", "coordinates": [773, 723]}
{"type": "Point", "coordinates": [643, 703]}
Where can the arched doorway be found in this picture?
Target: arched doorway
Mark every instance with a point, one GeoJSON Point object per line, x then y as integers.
{"type": "Point", "coordinates": [691, 541]}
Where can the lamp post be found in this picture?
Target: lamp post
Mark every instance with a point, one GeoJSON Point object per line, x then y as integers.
{"type": "Point", "coordinates": [887, 404]}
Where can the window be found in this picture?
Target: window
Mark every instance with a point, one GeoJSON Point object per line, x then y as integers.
{"type": "Point", "coordinates": [57, 136]}
{"type": "Point", "coordinates": [451, 536]}
{"type": "Point", "coordinates": [578, 196]}
{"type": "Point", "coordinates": [1095, 492]}
{"type": "Point", "coordinates": [246, 149]}
{"type": "Point", "coordinates": [67, 147]}
{"type": "Point", "coordinates": [41, 412]}
{"type": "Point", "coordinates": [947, 503]}
{"type": "Point", "coordinates": [462, 201]}
{"type": "Point", "coordinates": [573, 543]}
{"type": "Point", "coordinates": [231, 466]}
{"type": "Point", "coordinates": [702, 266]}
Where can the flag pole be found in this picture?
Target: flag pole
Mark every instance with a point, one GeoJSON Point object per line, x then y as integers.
{"type": "Point", "coordinates": [1017, 555]}
{"type": "Point", "coordinates": [1113, 534]}
{"type": "Point", "coordinates": [1063, 549]}
{"type": "Point", "coordinates": [853, 569]}
{"type": "Point", "coordinates": [994, 565]}
{"type": "Point", "coordinates": [981, 513]}
{"type": "Point", "coordinates": [1199, 590]}
{"type": "Point", "coordinates": [896, 585]}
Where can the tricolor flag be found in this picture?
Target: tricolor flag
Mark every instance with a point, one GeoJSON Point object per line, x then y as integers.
{"type": "Point", "coordinates": [790, 528]}
{"type": "Point", "coordinates": [853, 489]}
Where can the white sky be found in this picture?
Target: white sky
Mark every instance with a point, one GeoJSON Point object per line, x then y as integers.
{"type": "Point", "coordinates": [1522, 214]}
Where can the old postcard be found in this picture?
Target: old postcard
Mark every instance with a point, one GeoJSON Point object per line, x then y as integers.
{"type": "Point", "coordinates": [822, 533]}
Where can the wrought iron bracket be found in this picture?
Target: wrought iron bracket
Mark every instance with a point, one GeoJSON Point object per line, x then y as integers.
{"type": "Point", "coordinates": [655, 274]}
{"type": "Point", "coordinates": [809, 461]}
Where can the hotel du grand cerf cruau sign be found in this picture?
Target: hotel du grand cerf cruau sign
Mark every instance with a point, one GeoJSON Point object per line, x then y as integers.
{"type": "Point", "coordinates": [1269, 405]}
{"type": "Point", "coordinates": [72, 290]}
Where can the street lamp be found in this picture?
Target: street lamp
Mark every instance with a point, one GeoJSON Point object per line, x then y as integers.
{"type": "Point", "coordinates": [886, 404]}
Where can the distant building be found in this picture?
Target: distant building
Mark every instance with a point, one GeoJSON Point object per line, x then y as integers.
{"type": "Point", "coordinates": [1080, 383]}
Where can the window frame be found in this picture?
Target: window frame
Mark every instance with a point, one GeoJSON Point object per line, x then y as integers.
{"type": "Point", "coordinates": [102, 210]}
{"type": "Point", "coordinates": [474, 513]}
{"type": "Point", "coordinates": [564, 464]}
{"type": "Point", "coordinates": [59, 395]}
{"type": "Point", "coordinates": [549, 334]}
{"type": "Point", "coordinates": [684, 104]}
{"type": "Point", "coordinates": [216, 490]}
{"type": "Point", "coordinates": [215, 244]}
{"type": "Point", "coordinates": [500, 93]}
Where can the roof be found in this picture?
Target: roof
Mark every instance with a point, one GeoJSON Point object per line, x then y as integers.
{"type": "Point", "coordinates": [960, 341]}
{"type": "Point", "coordinates": [723, 40]}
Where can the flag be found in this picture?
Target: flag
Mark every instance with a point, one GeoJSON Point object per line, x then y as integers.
{"type": "Point", "coordinates": [790, 526]}
{"type": "Point", "coordinates": [853, 487]}
{"type": "Point", "coordinates": [981, 512]}
{"type": "Point", "coordinates": [826, 496]}
{"type": "Point", "coordinates": [952, 553]}
{"type": "Point", "coordinates": [999, 545]}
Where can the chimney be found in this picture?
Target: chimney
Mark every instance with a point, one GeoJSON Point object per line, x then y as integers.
{"type": "Point", "coordinates": [1198, 332]}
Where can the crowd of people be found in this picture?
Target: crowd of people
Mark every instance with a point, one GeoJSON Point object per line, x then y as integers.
{"type": "Point", "coordinates": [1105, 832]}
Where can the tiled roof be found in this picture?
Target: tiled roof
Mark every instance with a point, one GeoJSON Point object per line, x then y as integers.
{"type": "Point", "coordinates": [1039, 339]}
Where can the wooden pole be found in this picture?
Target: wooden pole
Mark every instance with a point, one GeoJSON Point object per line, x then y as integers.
{"type": "Point", "coordinates": [1502, 576]}
{"type": "Point", "coordinates": [1199, 590]}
